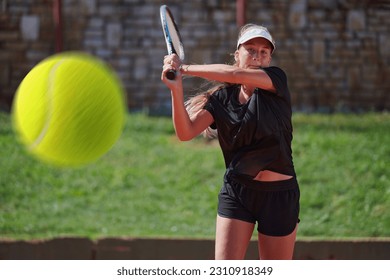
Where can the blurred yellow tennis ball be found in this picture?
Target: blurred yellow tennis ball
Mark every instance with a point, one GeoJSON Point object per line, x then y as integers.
{"type": "Point", "coordinates": [69, 110]}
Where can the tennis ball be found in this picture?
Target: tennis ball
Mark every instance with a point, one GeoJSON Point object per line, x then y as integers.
{"type": "Point", "coordinates": [69, 110]}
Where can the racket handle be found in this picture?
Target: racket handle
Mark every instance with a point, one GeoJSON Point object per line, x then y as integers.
{"type": "Point", "coordinates": [171, 74]}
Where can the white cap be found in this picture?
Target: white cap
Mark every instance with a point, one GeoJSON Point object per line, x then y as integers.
{"type": "Point", "coordinates": [256, 32]}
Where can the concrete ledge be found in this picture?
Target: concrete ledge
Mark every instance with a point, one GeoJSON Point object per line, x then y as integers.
{"type": "Point", "coordinates": [53, 249]}
{"type": "Point", "coordinates": [359, 249]}
{"type": "Point", "coordinates": [180, 249]}
{"type": "Point", "coordinates": [154, 249]}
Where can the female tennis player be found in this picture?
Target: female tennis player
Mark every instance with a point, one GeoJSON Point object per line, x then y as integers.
{"type": "Point", "coordinates": [251, 111]}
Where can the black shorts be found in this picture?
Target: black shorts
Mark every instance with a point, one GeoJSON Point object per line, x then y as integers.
{"type": "Point", "coordinates": [273, 205]}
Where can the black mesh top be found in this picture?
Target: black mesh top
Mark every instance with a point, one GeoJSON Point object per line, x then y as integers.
{"type": "Point", "coordinates": [256, 135]}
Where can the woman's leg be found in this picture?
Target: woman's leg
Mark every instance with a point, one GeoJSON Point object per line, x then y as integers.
{"type": "Point", "coordinates": [277, 247]}
{"type": "Point", "coordinates": [232, 238]}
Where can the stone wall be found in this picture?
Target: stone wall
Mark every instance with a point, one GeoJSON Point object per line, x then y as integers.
{"type": "Point", "coordinates": [336, 52]}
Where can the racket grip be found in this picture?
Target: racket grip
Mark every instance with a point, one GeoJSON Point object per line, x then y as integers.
{"type": "Point", "coordinates": [171, 74]}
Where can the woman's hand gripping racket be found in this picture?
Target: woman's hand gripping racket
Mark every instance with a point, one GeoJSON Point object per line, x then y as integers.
{"type": "Point", "coordinates": [172, 37]}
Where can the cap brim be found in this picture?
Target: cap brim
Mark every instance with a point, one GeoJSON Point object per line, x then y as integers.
{"type": "Point", "coordinates": [255, 33]}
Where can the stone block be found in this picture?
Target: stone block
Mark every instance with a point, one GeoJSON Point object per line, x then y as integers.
{"type": "Point", "coordinates": [4, 74]}
{"type": "Point", "coordinates": [29, 27]}
{"type": "Point", "coordinates": [8, 35]}
{"type": "Point", "coordinates": [141, 68]}
{"type": "Point", "coordinates": [113, 34]}
{"type": "Point", "coordinates": [297, 14]}
{"type": "Point", "coordinates": [384, 45]}
{"type": "Point", "coordinates": [354, 78]}
{"type": "Point", "coordinates": [89, 6]}
{"type": "Point", "coordinates": [96, 22]}
{"type": "Point", "coordinates": [103, 53]}
{"type": "Point", "coordinates": [318, 52]}
{"type": "Point", "coordinates": [356, 20]}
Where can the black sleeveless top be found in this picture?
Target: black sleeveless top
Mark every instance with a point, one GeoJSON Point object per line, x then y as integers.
{"type": "Point", "coordinates": [256, 135]}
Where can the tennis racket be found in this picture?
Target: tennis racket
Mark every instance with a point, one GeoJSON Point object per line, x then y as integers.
{"type": "Point", "coordinates": [172, 37]}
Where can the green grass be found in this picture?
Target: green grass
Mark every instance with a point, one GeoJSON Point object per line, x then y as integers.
{"type": "Point", "coordinates": [152, 185]}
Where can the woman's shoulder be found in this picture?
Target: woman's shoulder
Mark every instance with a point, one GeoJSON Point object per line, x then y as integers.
{"type": "Point", "coordinates": [275, 70]}
{"type": "Point", "coordinates": [279, 80]}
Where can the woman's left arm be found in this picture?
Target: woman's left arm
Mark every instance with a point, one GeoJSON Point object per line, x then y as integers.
{"type": "Point", "coordinates": [230, 74]}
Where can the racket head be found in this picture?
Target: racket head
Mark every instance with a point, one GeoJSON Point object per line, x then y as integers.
{"type": "Point", "coordinates": [172, 36]}
{"type": "Point", "coordinates": [171, 32]}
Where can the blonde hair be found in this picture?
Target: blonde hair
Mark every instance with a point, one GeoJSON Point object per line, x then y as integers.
{"type": "Point", "coordinates": [246, 27]}
{"type": "Point", "coordinates": [196, 103]}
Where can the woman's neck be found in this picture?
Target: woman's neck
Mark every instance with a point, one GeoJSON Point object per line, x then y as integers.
{"type": "Point", "coordinates": [245, 94]}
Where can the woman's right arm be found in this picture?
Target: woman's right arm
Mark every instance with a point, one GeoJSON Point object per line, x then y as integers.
{"type": "Point", "coordinates": [186, 128]}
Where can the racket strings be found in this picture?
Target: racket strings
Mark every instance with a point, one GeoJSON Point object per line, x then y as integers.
{"type": "Point", "coordinates": [175, 37]}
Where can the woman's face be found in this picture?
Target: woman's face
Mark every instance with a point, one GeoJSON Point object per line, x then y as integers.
{"type": "Point", "coordinates": [254, 54]}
